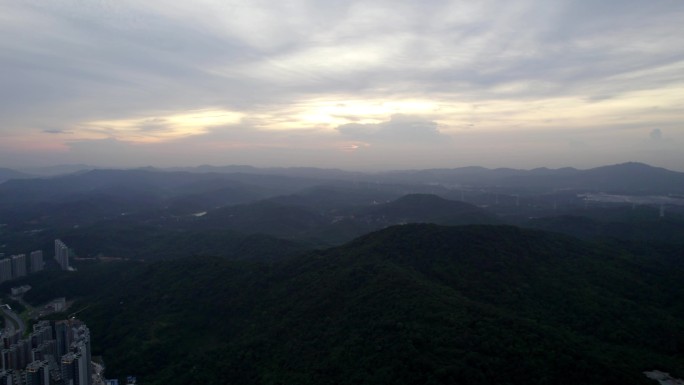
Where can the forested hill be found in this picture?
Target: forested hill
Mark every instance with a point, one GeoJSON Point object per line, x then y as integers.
{"type": "Point", "coordinates": [413, 304]}
{"type": "Point", "coordinates": [428, 208]}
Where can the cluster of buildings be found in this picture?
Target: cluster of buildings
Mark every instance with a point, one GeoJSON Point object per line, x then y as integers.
{"type": "Point", "coordinates": [17, 266]}
{"type": "Point", "coordinates": [55, 353]}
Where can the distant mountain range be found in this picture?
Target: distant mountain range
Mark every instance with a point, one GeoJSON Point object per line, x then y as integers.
{"type": "Point", "coordinates": [300, 221]}
{"type": "Point", "coordinates": [635, 178]}
{"type": "Point", "coordinates": [303, 207]}
{"type": "Point", "coordinates": [7, 174]}
{"type": "Point", "coordinates": [628, 178]}
{"type": "Point", "coordinates": [427, 208]}
{"type": "Point", "coordinates": [161, 186]}
{"type": "Point", "coordinates": [61, 169]}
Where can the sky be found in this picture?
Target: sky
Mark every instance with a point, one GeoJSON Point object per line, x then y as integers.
{"type": "Point", "coordinates": [358, 85]}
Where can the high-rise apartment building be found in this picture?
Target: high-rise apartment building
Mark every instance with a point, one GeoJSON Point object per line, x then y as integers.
{"type": "Point", "coordinates": [5, 269]}
{"type": "Point", "coordinates": [18, 265]}
{"type": "Point", "coordinates": [62, 254]}
{"type": "Point", "coordinates": [81, 344]}
{"type": "Point", "coordinates": [6, 377]}
{"type": "Point", "coordinates": [38, 373]}
{"type": "Point", "coordinates": [35, 360]}
{"type": "Point", "coordinates": [36, 259]}
{"type": "Point", "coordinates": [76, 368]}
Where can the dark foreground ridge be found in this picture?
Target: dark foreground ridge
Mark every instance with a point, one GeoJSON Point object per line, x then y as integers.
{"type": "Point", "coordinates": [412, 304]}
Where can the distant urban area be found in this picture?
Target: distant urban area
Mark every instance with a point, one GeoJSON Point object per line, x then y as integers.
{"type": "Point", "coordinates": [17, 266]}
{"type": "Point", "coordinates": [54, 353]}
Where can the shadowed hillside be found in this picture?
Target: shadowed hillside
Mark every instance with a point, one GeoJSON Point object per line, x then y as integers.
{"type": "Point", "coordinates": [426, 208]}
{"type": "Point", "coordinates": [408, 304]}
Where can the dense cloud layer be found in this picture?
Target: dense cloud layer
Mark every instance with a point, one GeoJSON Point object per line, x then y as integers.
{"type": "Point", "coordinates": [347, 83]}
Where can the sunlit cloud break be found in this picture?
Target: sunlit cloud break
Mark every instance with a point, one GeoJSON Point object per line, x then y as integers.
{"type": "Point", "coordinates": [160, 128]}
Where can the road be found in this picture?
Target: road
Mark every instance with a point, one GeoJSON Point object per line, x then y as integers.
{"type": "Point", "coordinates": [12, 321]}
{"type": "Point", "coordinates": [31, 311]}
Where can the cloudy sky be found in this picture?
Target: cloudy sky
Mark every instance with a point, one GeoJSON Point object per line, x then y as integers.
{"type": "Point", "coordinates": [352, 84]}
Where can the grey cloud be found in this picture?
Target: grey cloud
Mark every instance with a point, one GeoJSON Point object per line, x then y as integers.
{"type": "Point", "coordinates": [226, 145]}
{"type": "Point", "coordinates": [63, 63]}
{"type": "Point", "coordinates": [121, 60]}
{"type": "Point", "coordinates": [242, 145]}
{"type": "Point", "coordinates": [656, 134]}
{"type": "Point", "coordinates": [153, 125]}
{"type": "Point", "coordinates": [109, 68]}
{"type": "Point", "coordinates": [400, 129]}
{"type": "Point", "coordinates": [552, 49]}
{"type": "Point", "coordinates": [56, 131]}
{"type": "Point", "coordinates": [577, 143]}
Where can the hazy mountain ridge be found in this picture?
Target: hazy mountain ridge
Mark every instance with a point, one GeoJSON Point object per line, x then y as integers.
{"type": "Point", "coordinates": [165, 187]}
{"type": "Point", "coordinates": [429, 208]}
{"type": "Point", "coordinates": [632, 176]}
{"type": "Point", "coordinates": [635, 176]}
{"type": "Point", "coordinates": [329, 198]}
{"type": "Point", "coordinates": [7, 174]}
{"type": "Point", "coordinates": [644, 225]}
{"type": "Point", "coordinates": [141, 242]}
{"type": "Point", "coordinates": [316, 212]}
{"type": "Point", "coordinates": [304, 172]}
{"type": "Point", "coordinates": [299, 221]}
{"type": "Point", "coordinates": [265, 217]}
{"type": "Point", "coordinates": [134, 179]}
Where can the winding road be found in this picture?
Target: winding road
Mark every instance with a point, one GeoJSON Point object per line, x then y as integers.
{"type": "Point", "coordinates": [12, 320]}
